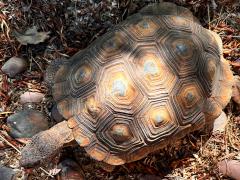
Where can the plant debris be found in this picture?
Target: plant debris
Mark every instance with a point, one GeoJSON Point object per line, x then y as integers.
{"type": "Point", "coordinates": [31, 36]}
{"type": "Point", "coordinates": [73, 25]}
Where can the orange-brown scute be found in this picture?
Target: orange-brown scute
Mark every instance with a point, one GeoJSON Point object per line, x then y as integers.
{"type": "Point", "coordinates": [154, 77]}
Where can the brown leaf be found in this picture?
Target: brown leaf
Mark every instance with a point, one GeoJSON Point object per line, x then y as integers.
{"type": "Point", "coordinates": [54, 171]}
{"type": "Point", "coordinates": [236, 90]}
{"type": "Point", "coordinates": [235, 63]}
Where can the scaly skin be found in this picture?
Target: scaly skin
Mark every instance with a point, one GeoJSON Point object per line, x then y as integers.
{"type": "Point", "coordinates": [45, 145]}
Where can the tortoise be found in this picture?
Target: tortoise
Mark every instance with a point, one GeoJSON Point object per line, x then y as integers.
{"type": "Point", "coordinates": [146, 83]}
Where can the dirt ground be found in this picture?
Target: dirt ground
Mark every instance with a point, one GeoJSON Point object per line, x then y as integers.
{"type": "Point", "coordinates": [71, 26]}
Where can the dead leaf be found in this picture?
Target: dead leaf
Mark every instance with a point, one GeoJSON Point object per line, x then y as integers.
{"type": "Point", "coordinates": [31, 36]}
{"type": "Point", "coordinates": [235, 63]}
{"type": "Point", "coordinates": [236, 90]}
{"type": "Point", "coordinates": [54, 171]}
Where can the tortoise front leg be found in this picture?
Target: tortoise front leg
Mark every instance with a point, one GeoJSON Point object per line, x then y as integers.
{"type": "Point", "coordinates": [45, 145]}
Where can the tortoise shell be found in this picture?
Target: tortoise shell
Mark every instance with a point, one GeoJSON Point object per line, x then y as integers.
{"type": "Point", "coordinates": [152, 79]}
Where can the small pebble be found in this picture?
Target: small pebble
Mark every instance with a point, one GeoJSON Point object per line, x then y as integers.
{"type": "Point", "coordinates": [70, 170]}
{"type": "Point", "coordinates": [230, 168]}
{"type": "Point", "coordinates": [26, 123]}
{"type": "Point", "coordinates": [31, 97]}
{"type": "Point", "coordinates": [55, 114]}
{"type": "Point", "coordinates": [14, 66]}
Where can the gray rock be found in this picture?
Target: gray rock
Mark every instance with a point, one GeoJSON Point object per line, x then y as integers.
{"type": "Point", "coordinates": [55, 114]}
{"type": "Point", "coordinates": [31, 97]}
{"type": "Point", "coordinates": [70, 170]}
{"type": "Point", "coordinates": [26, 123]}
{"type": "Point", "coordinates": [7, 173]}
{"type": "Point", "coordinates": [14, 66]}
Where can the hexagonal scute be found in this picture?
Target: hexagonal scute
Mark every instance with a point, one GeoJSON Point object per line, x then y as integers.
{"type": "Point", "coordinates": [157, 121]}
{"type": "Point", "coordinates": [82, 76]}
{"type": "Point", "coordinates": [182, 50]}
{"type": "Point", "coordinates": [93, 111]}
{"type": "Point", "coordinates": [143, 27]}
{"type": "Point", "coordinates": [118, 91]}
{"type": "Point", "coordinates": [120, 134]}
{"type": "Point", "coordinates": [149, 67]}
{"type": "Point", "coordinates": [111, 46]}
{"type": "Point", "coordinates": [188, 99]}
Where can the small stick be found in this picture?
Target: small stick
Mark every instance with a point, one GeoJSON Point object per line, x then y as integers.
{"type": "Point", "coordinates": [46, 172]}
{"type": "Point", "coordinates": [10, 144]}
{"type": "Point", "coordinates": [208, 11]}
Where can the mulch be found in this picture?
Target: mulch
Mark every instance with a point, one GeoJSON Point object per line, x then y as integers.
{"type": "Point", "coordinates": [72, 25]}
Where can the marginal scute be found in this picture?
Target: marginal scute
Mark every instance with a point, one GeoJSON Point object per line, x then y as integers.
{"type": "Point", "coordinates": [61, 74]}
{"type": "Point", "coordinates": [60, 90]}
{"type": "Point", "coordinates": [178, 23]}
{"type": "Point", "coordinates": [164, 8]}
{"type": "Point", "coordinates": [72, 122]}
{"type": "Point", "coordinates": [114, 160]}
{"type": "Point", "coordinates": [81, 137]}
{"type": "Point", "coordinates": [97, 153]}
{"type": "Point", "coordinates": [211, 69]}
{"type": "Point", "coordinates": [211, 110]}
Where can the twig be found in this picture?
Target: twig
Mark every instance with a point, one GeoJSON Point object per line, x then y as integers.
{"type": "Point", "coordinates": [223, 35]}
{"type": "Point", "coordinates": [208, 11]}
{"type": "Point", "coordinates": [10, 144]}
{"type": "Point", "coordinates": [46, 172]}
